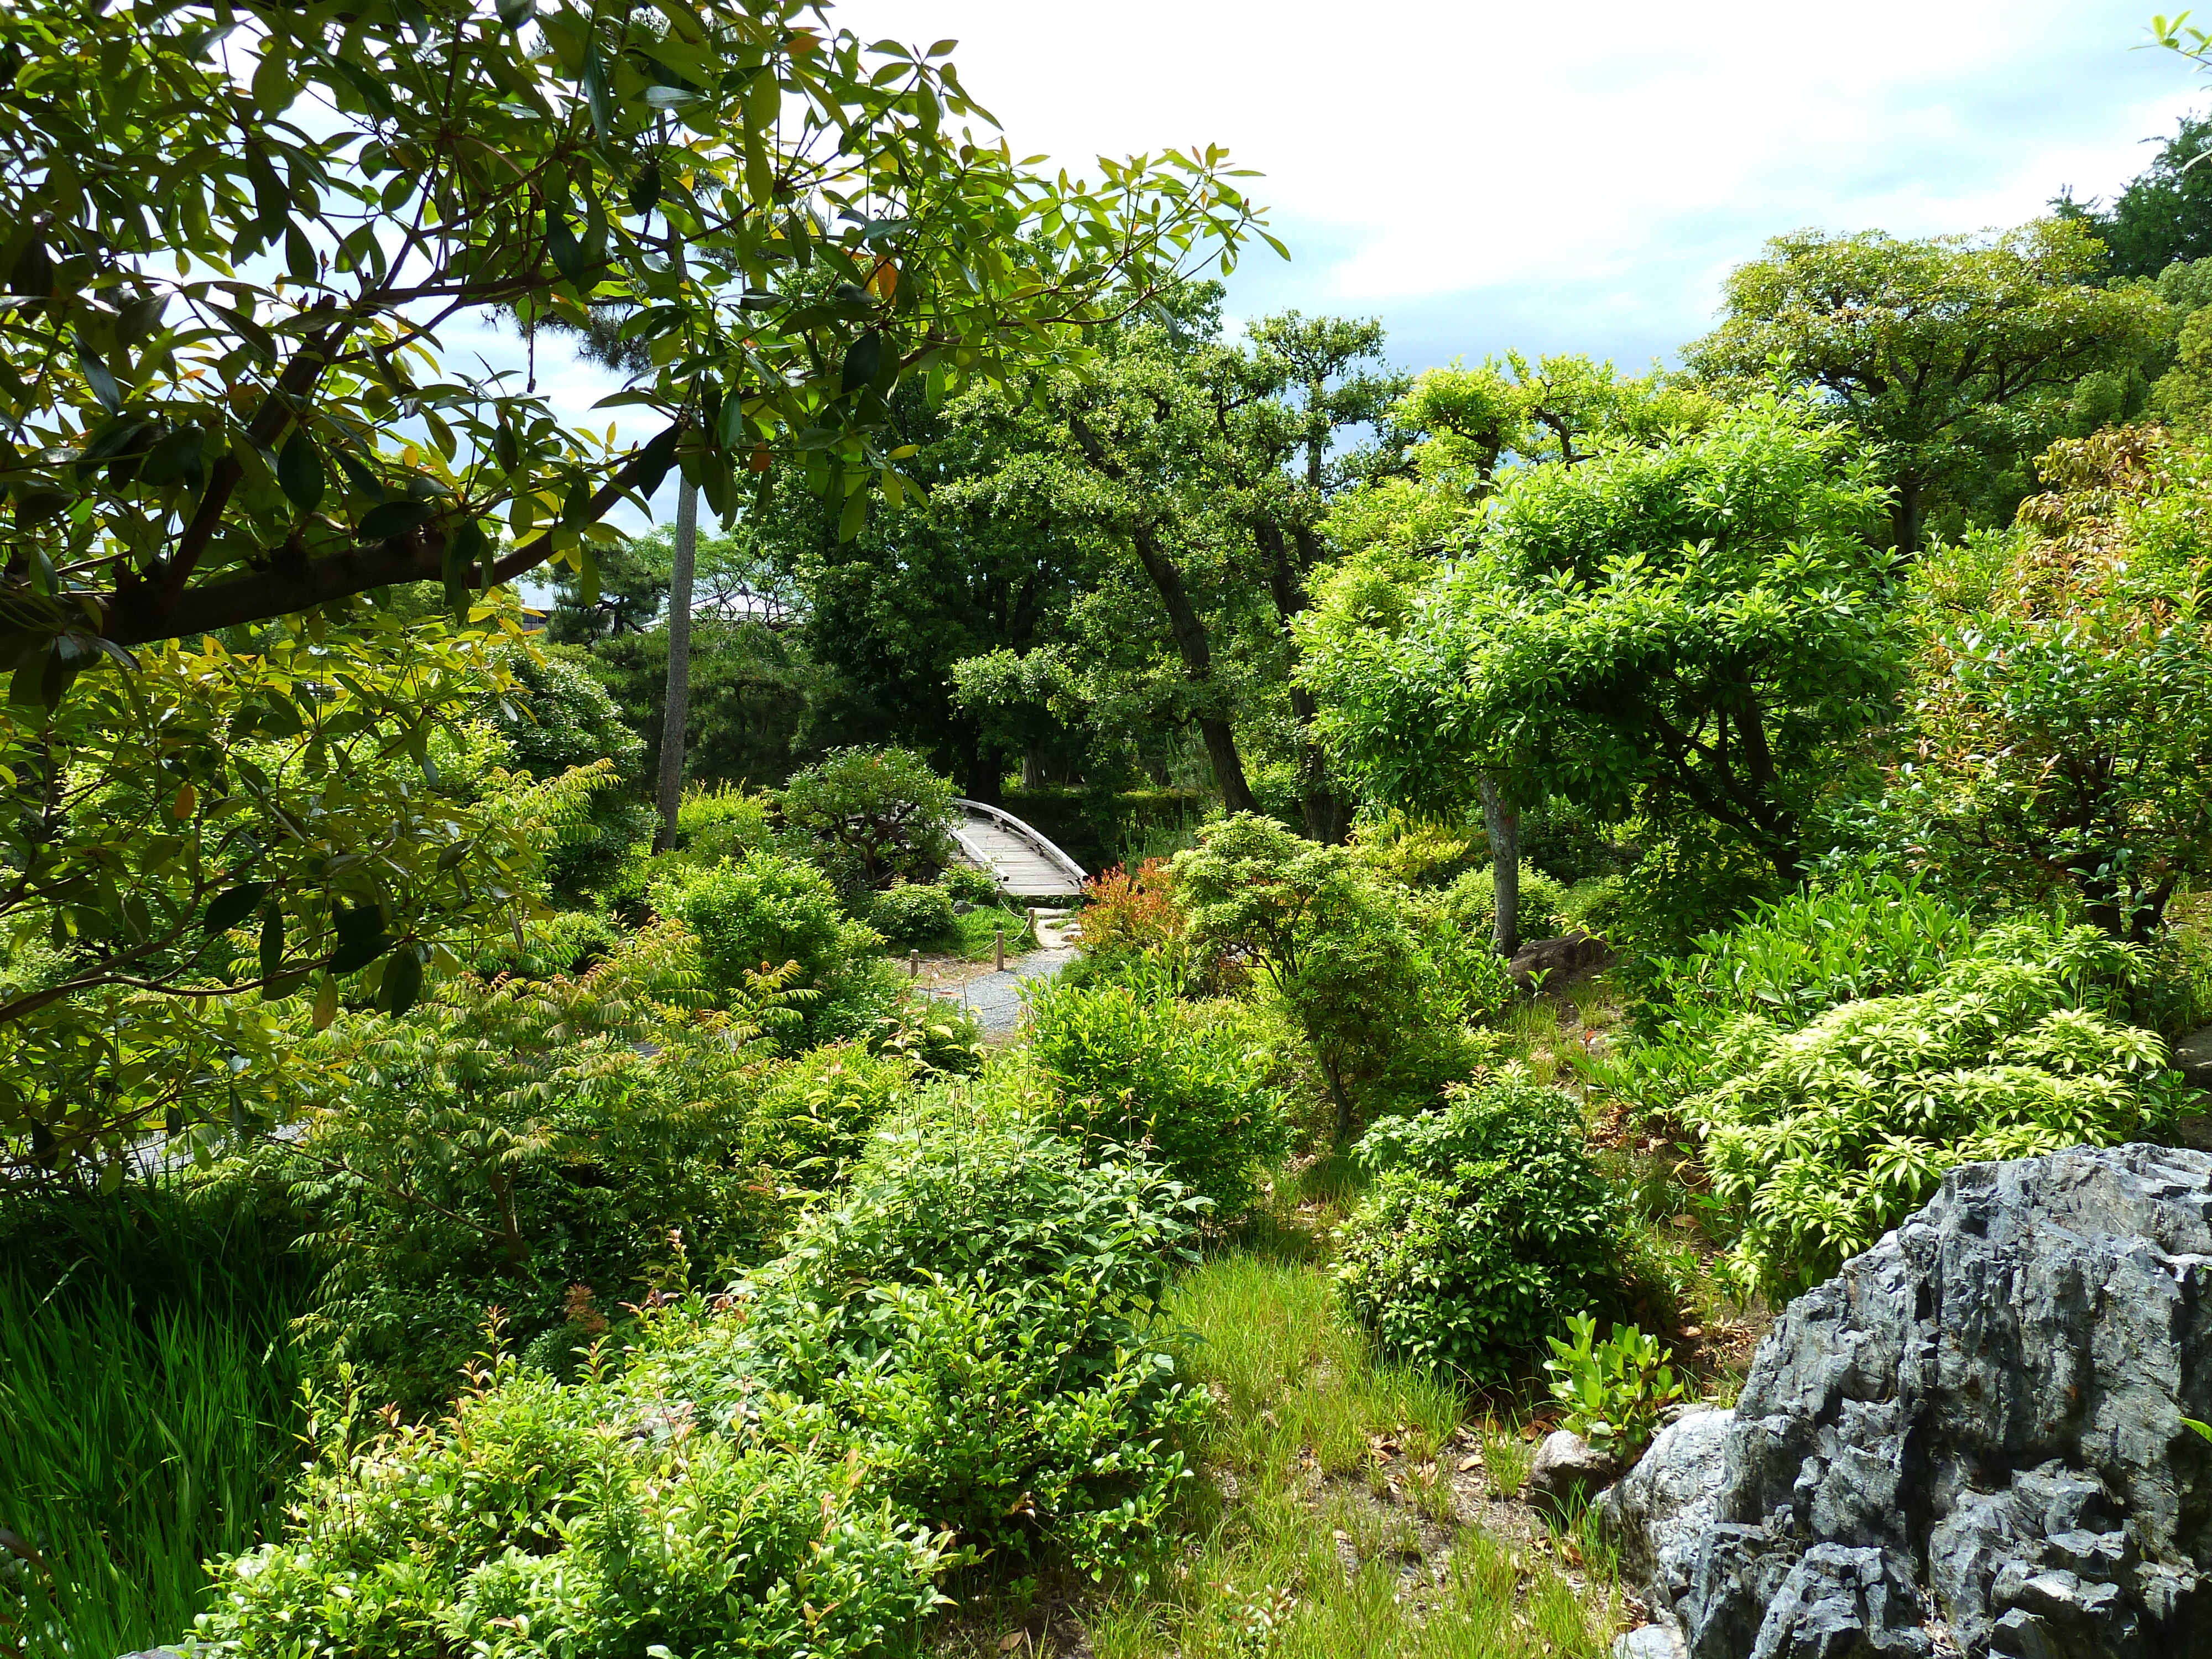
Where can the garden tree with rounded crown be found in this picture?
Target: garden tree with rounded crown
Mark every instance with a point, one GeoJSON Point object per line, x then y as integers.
{"type": "Point", "coordinates": [228, 236]}
{"type": "Point", "coordinates": [898, 605]}
{"type": "Point", "coordinates": [1691, 631]}
{"type": "Point", "coordinates": [1960, 356]}
{"type": "Point", "coordinates": [1458, 433]}
{"type": "Point", "coordinates": [2061, 732]}
{"type": "Point", "coordinates": [1281, 409]}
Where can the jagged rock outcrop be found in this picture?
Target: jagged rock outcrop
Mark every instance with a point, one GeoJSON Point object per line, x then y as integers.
{"type": "Point", "coordinates": [1972, 1439]}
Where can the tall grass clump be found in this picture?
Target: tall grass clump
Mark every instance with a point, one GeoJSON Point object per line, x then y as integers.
{"type": "Point", "coordinates": [149, 1390]}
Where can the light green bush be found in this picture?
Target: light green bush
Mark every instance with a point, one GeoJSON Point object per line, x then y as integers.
{"type": "Point", "coordinates": [1470, 903]}
{"type": "Point", "coordinates": [1821, 1139]}
{"type": "Point", "coordinates": [1131, 1066]}
{"type": "Point", "coordinates": [601, 1520]}
{"type": "Point", "coordinates": [560, 717]}
{"type": "Point", "coordinates": [1486, 1226]}
{"type": "Point", "coordinates": [767, 910]}
{"type": "Point", "coordinates": [720, 821]}
{"type": "Point", "coordinates": [912, 913]}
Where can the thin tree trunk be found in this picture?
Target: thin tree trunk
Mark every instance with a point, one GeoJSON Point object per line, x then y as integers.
{"type": "Point", "coordinates": [1197, 653]}
{"type": "Point", "coordinates": [677, 714]}
{"type": "Point", "coordinates": [1504, 831]}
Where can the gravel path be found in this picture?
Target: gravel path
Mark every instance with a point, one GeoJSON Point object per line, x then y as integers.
{"type": "Point", "coordinates": [995, 999]}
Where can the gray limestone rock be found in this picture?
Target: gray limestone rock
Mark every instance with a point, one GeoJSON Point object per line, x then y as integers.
{"type": "Point", "coordinates": [1659, 1509]}
{"type": "Point", "coordinates": [1970, 1440]}
{"type": "Point", "coordinates": [1566, 1465]}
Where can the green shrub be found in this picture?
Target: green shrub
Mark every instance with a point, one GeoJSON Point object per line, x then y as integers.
{"type": "Point", "coordinates": [560, 717]}
{"type": "Point", "coordinates": [767, 910]}
{"type": "Point", "coordinates": [1130, 1066]}
{"type": "Point", "coordinates": [1865, 934]}
{"type": "Point", "coordinates": [813, 1113]}
{"type": "Point", "coordinates": [1470, 903]}
{"type": "Point", "coordinates": [974, 1309]}
{"type": "Point", "coordinates": [1486, 1226]}
{"type": "Point", "coordinates": [1337, 947]}
{"type": "Point", "coordinates": [1821, 1140]}
{"type": "Point", "coordinates": [599, 1520]}
{"type": "Point", "coordinates": [968, 884]}
{"type": "Point", "coordinates": [912, 914]}
{"type": "Point", "coordinates": [534, 1143]}
{"type": "Point", "coordinates": [721, 821]}
{"type": "Point", "coordinates": [1611, 1392]}
{"type": "Point", "coordinates": [869, 816]}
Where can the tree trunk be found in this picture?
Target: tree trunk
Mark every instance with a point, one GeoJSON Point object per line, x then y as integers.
{"type": "Point", "coordinates": [677, 714]}
{"type": "Point", "coordinates": [1905, 515]}
{"type": "Point", "coordinates": [1327, 814]}
{"type": "Point", "coordinates": [1197, 655]}
{"type": "Point", "coordinates": [1503, 829]}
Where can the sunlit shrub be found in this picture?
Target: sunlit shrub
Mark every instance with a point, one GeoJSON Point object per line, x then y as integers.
{"type": "Point", "coordinates": [912, 913]}
{"type": "Point", "coordinates": [767, 910]}
{"type": "Point", "coordinates": [1130, 1066]}
{"type": "Point", "coordinates": [1486, 1226]}
{"type": "Point", "coordinates": [1821, 1139]}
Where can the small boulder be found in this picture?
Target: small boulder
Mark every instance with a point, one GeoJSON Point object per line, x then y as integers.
{"type": "Point", "coordinates": [1557, 960]}
{"type": "Point", "coordinates": [1568, 1466]}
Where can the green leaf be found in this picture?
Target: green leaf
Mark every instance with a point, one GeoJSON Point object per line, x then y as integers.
{"type": "Point", "coordinates": [464, 551]}
{"type": "Point", "coordinates": [35, 506]}
{"type": "Point", "coordinates": [300, 471]}
{"type": "Point", "coordinates": [35, 271]}
{"type": "Point", "coordinates": [99, 377]}
{"type": "Point", "coordinates": [226, 910]}
{"type": "Point", "coordinates": [389, 519]}
{"type": "Point", "coordinates": [864, 360]}
{"type": "Point", "coordinates": [560, 242]}
{"type": "Point", "coordinates": [177, 456]}
{"type": "Point", "coordinates": [403, 981]}
{"type": "Point", "coordinates": [654, 462]}
{"type": "Point", "coordinates": [594, 78]}
{"type": "Point", "coordinates": [272, 945]}
{"type": "Point", "coordinates": [353, 955]}
{"type": "Point", "coordinates": [645, 188]}
{"type": "Point", "coordinates": [515, 13]}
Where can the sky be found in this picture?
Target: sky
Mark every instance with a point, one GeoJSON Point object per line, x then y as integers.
{"type": "Point", "coordinates": [1488, 176]}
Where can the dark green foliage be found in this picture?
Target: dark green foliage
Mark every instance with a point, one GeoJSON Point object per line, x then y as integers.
{"type": "Point", "coordinates": [912, 913]}
{"type": "Point", "coordinates": [2161, 215]}
{"type": "Point", "coordinates": [871, 817]}
{"type": "Point", "coordinates": [564, 718]}
{"type": "Point", "coordinates": [1486, 1226]}
{"type": "Point", "coordinates": [1129, 1066]}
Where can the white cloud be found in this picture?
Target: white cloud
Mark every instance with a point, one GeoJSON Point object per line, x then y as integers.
{"type": "Point", "coordinates": [1482, 175]}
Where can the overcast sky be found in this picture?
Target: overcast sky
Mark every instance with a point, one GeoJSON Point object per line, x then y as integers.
{"type": "Point", "coordinates": [1555, 177]}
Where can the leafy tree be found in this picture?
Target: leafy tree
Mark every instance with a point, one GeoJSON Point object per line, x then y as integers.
{"type": "Point", "coordinates": [1696, 629]}
{"type": "Point", "coordinates": [2063, 726]}
{"type": "Point", "coordinates": [2163, 214]}
{"type": "Point", "coordinates": [798, 221]}
{"type": "Point", "coordinates": [1959, 357]}
{"type": "Point", "coordinates": [1281, 409]}
{"type": "Point", "coordinates": [1329, 941]}
{"type": "Point", "coordinates": [874, 816]}
{"type": "Point", "coordinates": [294, 824]}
